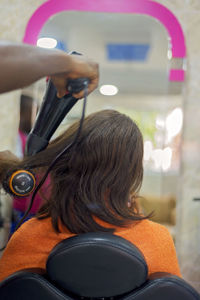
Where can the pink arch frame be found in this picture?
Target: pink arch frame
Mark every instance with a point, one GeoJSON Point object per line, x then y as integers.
{"type": "Point", "coordinates": [146, 7]}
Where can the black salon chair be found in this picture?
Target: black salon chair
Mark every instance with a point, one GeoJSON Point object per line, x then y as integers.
{"type": "Point", "coordinates": [95, 266]}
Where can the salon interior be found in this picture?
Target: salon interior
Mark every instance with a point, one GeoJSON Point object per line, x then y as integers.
{"type": "Point", "coordinates": [149, 63]}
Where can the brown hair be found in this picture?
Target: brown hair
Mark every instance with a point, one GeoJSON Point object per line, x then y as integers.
{"type": "Point", "coordinates": [96, 177]}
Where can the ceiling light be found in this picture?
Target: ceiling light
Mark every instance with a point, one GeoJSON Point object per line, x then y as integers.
{"type": "Point", "coordinates": [46, 42]}
{"type": "Point", "coordinates": [108, 90]}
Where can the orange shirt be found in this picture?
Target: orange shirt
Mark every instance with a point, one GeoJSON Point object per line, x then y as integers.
{"type": "Point", "coordinates": [31, 244]}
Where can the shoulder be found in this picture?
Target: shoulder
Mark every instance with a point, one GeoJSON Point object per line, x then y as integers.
{"type": "Point", "coordinates": [29, 235]}
{"type": "Point", "coordinates": [153, 225]}
{"type": "Point", "coordinates": [154, 230]}
{"type": "Point", "coordinates": [156, 236]}
{"type": "Point", "coordinates": [27, 247]}
{"type": "Point", "coordinates": [35, 223]}
{"type": "Point", "coordinates": [33, 228]}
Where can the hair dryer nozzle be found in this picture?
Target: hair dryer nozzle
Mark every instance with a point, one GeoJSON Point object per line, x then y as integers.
{"type": "Point", "coordinates": [35, 144]}
{"type": "Point", "coordinates": [52, 112]}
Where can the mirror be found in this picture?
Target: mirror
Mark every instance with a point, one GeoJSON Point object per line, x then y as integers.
{"type": "Point", "coordinates": [134, 53]}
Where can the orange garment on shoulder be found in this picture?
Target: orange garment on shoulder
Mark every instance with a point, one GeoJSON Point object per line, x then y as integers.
{"type": "Point", "coordinates": [30, 245]}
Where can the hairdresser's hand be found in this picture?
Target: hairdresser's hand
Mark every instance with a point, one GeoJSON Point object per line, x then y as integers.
{"type": "Point", "coordinates": [77, 67]}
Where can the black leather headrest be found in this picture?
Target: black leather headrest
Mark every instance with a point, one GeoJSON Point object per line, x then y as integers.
{"type": "Point", "coordinates": [97, 265]}
{"type": "Point", "coordinates": [29, 286]}
{"type": "Point", "coordinates": [163, 286]}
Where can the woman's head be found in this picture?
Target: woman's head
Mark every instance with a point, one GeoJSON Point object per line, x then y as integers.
{"type": "Point", "coordinates": [96, 177]}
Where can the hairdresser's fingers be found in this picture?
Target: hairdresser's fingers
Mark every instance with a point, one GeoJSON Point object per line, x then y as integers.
{"type": "Point", "coordinates": [93, 84]}
{"type": "Point", "coordinates": [61, 92]}
{"type": "Point", "coordinates": [85, 68]}
{"type": "Point", "coordinates": [82, 68]}
{"type": "Point", "coordinates": [60, 83]}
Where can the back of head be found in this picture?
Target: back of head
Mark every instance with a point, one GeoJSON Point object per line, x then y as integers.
{"type": "Point", "coordinates": [95, 178]}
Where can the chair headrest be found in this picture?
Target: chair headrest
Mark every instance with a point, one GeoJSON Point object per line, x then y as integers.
{"type": "Point", "coordinates": [97, 265]}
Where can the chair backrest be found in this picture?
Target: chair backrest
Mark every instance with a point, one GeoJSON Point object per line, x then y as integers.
{"type": "Point", "coordinates": [25, 285]}
{"type": "Point", "coordinates": [97, 265]}
{"type": "Point", "coordinates": [94, 266]}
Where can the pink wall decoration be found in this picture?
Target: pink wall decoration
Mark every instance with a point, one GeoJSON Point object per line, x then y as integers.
{"type": "Point", "coordinates": [145, 7]}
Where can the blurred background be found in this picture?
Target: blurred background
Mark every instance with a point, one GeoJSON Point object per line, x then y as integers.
{"type": "Point", "coordinates": [134, 53]}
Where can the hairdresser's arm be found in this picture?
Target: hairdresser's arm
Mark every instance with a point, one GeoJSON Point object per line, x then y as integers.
{"type": "Point", "coordinates": [21, 65]}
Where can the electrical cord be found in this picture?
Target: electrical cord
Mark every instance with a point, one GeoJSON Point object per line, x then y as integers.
{"type": "Point", "coordinates": [54, 162]}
